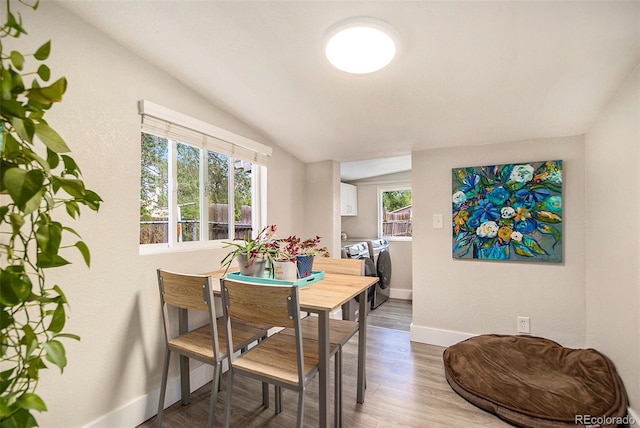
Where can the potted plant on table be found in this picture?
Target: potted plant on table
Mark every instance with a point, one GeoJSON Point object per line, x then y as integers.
{"type": "Point", "coordinates": [302, 252]}
{"type": "Point", "coordinates": [253, 254]}
{"type": "Point", "coordinates": [285, 265]}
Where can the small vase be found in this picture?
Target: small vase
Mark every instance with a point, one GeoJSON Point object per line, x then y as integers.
{"type": "Point", "coordinates": [492, 253]}
{"type": "Point", "coordinates": [285, 270]}
{"type": "Point", "coordinates": [305, 266]}
{"type": "Point", "coordinates": [253, 267]}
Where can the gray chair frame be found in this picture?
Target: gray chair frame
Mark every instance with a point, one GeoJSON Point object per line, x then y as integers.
{"type": "Point", "coordinates": [195, 293]}
{"type": "Point", "coordinates": [270, 361]}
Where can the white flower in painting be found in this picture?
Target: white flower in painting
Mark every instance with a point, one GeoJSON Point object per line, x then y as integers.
{"type": "Point", "coordinates": [507, 212]}
{"type": "Point", "coordinates": [516, 236]}
{"type": "Point", "coordinates": [522, 173]}
{"type": "Point", "coordinates": [488, 229]}
{"type": "Point", "coordinates": [555, 177]}
{"type": "Point", "coordinates": [459, 198]}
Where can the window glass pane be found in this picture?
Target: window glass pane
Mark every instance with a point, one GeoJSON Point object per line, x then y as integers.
{"type": "Point", "coordinates": [188, 177]}
{"type": "Point", "coordinates": [154, 190]}
{"type": "Point", "coordinates": [242, 195]}
{"type": "Point", "coordinates": [218, 195]}
{"type": "Point", "coordinates": [396, 207]}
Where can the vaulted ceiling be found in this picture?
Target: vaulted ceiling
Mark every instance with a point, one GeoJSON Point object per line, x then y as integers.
{"type": "Point", "coordinates": [468, 73]}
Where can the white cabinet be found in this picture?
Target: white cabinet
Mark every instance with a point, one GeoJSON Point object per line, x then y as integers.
{"type": "Point", "coordinates": [348, 199]}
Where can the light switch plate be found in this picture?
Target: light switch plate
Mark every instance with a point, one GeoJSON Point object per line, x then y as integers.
{"type": "Point", "coordinates": [438, 221]}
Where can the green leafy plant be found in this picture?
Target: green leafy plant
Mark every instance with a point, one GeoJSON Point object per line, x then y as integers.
{"type": "Point", "coordinates": [37, 180]}
{"type": "Point", "coordinates": [258, 248]}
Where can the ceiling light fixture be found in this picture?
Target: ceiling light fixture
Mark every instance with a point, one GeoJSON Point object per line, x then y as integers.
{"type": "Point", "coordinates": [361, 45]}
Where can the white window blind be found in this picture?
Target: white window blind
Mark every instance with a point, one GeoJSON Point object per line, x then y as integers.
{"type": "Point", "coordinates": [166, 123]}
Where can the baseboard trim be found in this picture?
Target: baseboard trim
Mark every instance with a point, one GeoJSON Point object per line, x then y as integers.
{"type": "Point", "coordinates": [436, 336]}
{"type": "Point", "coordinates": [144, 407]}
{"type": "Point", "coordinates": [401, 293]}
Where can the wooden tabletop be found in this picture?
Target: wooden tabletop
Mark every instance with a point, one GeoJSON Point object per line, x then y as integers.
{"type": "Point", "coordinates": [327, 294]}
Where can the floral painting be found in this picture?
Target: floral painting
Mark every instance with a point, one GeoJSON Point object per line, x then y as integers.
{"type": "Point", "coordinates": [508, 212]}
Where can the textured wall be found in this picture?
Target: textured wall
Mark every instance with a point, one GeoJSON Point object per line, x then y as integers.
{"type": "Point", "coordinates": [613, 234]}
{"type": "Point", "coordinates": [474, 297]}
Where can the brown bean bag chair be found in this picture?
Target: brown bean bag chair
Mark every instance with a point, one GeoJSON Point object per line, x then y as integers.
{"type": "Point", "coordinates": [534, 382]}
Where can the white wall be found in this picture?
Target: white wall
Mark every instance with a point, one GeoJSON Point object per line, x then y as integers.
{"type": "Point", "coordinates": [456, 298]}
{"type": "Point", "coordinates": [114, 305]}
{"type": "Point", "coordinates": [285, 189]}
{"type": "Point", "coordinates": [613, 235]}
{"type": "Point", "coordinates": [321, 205]}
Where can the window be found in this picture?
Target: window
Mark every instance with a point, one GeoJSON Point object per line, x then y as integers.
{"type": "Point", "coordinates": [196, 188]}
{"type": "Point", "coordinates": [395, 212]}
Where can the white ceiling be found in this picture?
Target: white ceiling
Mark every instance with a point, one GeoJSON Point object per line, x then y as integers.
{"type": "Point", "coordinates": [469, 73]}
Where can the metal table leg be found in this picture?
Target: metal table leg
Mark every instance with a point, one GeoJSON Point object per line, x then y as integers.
{"type": "Point", "coordinates": [362, 346]}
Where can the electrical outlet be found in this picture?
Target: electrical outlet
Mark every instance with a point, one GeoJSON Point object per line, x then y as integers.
{"type": "Point", "coordinates": [523, 325]}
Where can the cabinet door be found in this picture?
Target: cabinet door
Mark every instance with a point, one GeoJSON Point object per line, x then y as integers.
{"type": "Point", "coordinates": [349, 199]}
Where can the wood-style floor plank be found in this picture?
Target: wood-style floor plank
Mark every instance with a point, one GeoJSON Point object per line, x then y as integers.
{"type": "Point", "coordinates": [406, 387]}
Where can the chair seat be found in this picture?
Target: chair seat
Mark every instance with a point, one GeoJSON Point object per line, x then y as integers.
{"type": "Point", "coordinates": [340, 331]}
{"type": "Point", "coordinates": [275, 358]}
{"type": "Point", "coordinates": [197, 343]}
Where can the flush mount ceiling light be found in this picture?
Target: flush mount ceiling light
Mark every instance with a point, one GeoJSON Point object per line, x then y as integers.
{"type": "Point", "coordinates": [361, 45]}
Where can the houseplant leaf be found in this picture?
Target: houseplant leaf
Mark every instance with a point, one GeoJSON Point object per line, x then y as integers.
{"type": "Point", "coordinates": [15, 286]}
{"type": "Point", "coordinates": [55, 353]}
{"type": "Point", "coordinates": [51, 138]}
{"type": "Point", "coordinates": [22, 185]}
{"type": "Point", "coordinates": [84, 250]}
{"type": "Point", "coordinates": [17, 59]}
{"type": "Point", "coordinates": [49, 94]}
{"type": "Point", "coordinates": [50, 261]}
{"type": "Point", "coordinates": [43, 51]}
{"type": "Point", "coordinates": [31, 401]}
{"type": "Point", "coordinates": [58, 319]}
{"type": "Point", "coordinates": [44, 72]}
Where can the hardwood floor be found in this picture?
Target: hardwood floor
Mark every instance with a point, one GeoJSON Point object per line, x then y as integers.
{"type": "Point", "coordinates": [406, 387]}
{"type": "Point", "coordinates": [394, 314]}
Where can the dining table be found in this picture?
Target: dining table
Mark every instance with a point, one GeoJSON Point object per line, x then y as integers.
{"type": "Point", "coordinates": [322, 297]}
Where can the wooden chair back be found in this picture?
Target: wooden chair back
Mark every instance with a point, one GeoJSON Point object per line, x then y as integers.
{"type": "Point", "coordinates": [266, 305]}
{"type": "Point", "coordinates": [187, 292]}
{"type": "Point", "coordinates": [339, 266]}
{"type": "Point", "coordinates": [184, 291]}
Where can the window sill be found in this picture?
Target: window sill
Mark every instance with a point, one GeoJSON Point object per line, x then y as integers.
{"type": "Point", "coordinates": [398, 238]}
{"type": "Point", "coordinates": [152, 249]}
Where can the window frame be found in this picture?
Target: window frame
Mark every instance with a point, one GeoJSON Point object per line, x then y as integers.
{"type": "Point", "coordinates": [231, 143]}
{"type": "Point", "coordinates": [391, 188]}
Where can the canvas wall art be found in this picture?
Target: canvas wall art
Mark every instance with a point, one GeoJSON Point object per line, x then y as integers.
{"type": "Point", "coordinates": [510, 212]}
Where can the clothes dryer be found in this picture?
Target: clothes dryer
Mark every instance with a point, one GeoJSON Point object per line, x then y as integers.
{"type": "Point", "coordinates": [359, 250]}
{"type": "Point", "coordinates": [379, 253]}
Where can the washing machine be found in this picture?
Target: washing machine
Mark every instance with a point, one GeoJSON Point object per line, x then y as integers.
{"type": "Point", "coordinates": [359, 250]}
{"type": "Point", "coordinates": [379, 253]}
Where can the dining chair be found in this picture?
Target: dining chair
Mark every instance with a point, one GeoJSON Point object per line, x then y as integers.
{"type": "Point", "coordinates": [285, 360]}
{"type": "Point", "coordinates": [205, 343]}
{"type": "Point", "coordinates": [340, 331]}
{"type": "Point", "coordinates": [339, 266]}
